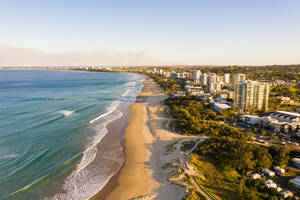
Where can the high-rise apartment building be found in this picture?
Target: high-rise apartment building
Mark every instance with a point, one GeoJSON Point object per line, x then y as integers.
{"type": "Point", "coordinates": [195, 74]}
{"type": "Point", "coordinates": [203, 79]}
{"type": "Point", "coordinates": [226, 78]}
{"type": "Point", "coordinates": [251, 94]}
{"type": "Point", "coordinates": [215, 87]}
{"type": "Point", "coordinates": [211, 78]}
{"type": "Point", "coordinates": [236, 78]}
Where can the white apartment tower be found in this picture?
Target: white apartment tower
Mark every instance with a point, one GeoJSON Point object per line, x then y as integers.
{"type": "Point", "coordinates": [195, 74]}
{"type": "Point", "coordinates": [227, 78]}
{"type": "Point", "coordinates": [236, 78]}
{"type": "Point", "coordinates": [251, 94]}
{"type": "Point", "coordinates": [203, 79]}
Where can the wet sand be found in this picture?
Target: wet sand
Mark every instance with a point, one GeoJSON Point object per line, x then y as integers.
{"type": "Point", "coordinates": [146, 138]}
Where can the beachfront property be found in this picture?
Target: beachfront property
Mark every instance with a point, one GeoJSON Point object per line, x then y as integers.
{"type": "Point", "coordinates": [251, 94]}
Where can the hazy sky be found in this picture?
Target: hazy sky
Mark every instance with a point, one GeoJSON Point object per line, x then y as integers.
{"type": "Point", "coordinates": [113, 32]}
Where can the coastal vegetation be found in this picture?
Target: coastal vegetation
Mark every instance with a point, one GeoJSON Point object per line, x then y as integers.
{"type": "Point", "coordinates": [228, 156]}
{"type": "Point", "coordinates": [193, 118]}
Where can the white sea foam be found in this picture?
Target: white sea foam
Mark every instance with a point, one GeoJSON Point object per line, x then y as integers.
{"type": "Point", "coordinates": [125, 93]}
{"type": "Point", "coordinates": [9, 156]}
{"type": "Point", "coordinates": [110, 109]}
{"type": "Point", "coordinates": [83, 183]}
{"type": "Point", "coordinates": [130, 84]}
{"type": "Point", "coordinates": [66, 112]}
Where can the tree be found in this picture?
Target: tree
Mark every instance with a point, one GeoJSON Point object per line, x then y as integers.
{"type": "Point", "coordinates": [280, 155]}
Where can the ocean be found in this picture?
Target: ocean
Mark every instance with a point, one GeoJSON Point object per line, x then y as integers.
{"type": "Point", "coordinates": [51, 127]}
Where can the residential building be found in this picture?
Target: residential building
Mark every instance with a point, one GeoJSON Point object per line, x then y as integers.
{"type": "Point", "coordinates": [255, 176]}
{"type": "Point", "coordinates": [236, 78]}
{"type": "Point", "coordinates": [195, 74]}
{"type": "Point", "coordinates": [270, 184]}
{"type": "Point", "coordinates": [184, 75]}
{"type": "Point", "coordinates": [175, 75]}
{"type": "Point", "coordinates": [226, 78]}
{"type": "Point", "coordinates": [221, 106]}
{"type": "Point", "coordinates": [268, 172]}
{"type": "Point", "coordinates": [286, 194]}
{"type": "Point", "coordinates": [285, 116]}
{"type": "Point", "coordinates": [251, 119]}
{"type": "Point", "coordinates": [211, 79]}
{"type": "Point", "coordinates": [279, 170]}
{"type": "Point", "coordinates": [214, 87]}
{"type": "Point", "coordinates": [203, 79]}
{"type": "Point", "coordinates": [195, 91]}
{"type": "Point", "coordinates": [251, 94]}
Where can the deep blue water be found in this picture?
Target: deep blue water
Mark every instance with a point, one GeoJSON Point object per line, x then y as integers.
{"type": "Point", "coordinates": [46, 125]}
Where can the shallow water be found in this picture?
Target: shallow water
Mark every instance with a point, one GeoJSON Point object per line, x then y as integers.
{"type": "Point", "coordinates": [50, 123]}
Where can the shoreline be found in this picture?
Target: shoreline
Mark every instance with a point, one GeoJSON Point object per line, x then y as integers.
{"type": "Point", "coordinates": [146, 137]}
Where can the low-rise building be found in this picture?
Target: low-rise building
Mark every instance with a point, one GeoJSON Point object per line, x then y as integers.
{"type": "Point", "coordinates": [221, 106]}
{"type": "Point", "coordinates": [279, 170]}
{"type": "Point", "coordinates": [270, 184]}
{"type": "Point", "coordinates": [268, 172]}
{"type": "Point", "coordinates": [194, 91]}
{"type": "Point", "coordinates": [251, 119]}
{"type": "Point", "coordinates": [286, 194]}
{"type": "Point", "coordinates": [255, 176]}
{"type": "Point", "coordinates": [285, 116]}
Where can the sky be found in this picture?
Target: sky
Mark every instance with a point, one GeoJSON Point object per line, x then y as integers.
{"type": "Point", "coordinates": [149, 32]}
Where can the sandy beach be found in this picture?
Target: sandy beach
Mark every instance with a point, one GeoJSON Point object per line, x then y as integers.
{"type": "Point", "coordinates": [147, 138]}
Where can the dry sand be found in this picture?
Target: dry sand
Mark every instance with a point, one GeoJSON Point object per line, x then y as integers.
{"type": "Point", "coordinates": [146, 139]}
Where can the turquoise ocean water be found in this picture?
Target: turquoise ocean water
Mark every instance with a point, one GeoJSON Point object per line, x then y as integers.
{"type": "Point", "coordinates": [50, 123]}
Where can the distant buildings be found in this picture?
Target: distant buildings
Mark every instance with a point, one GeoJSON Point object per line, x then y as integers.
{"type": "Point", "coordinates": [226, 78]}
{"type": "Point", "coordinates": [203, 79]}
{"type": "Point", "coordinates": [184, 75]}
{"type": "Point", "coordinates": [251, 94]}
{"type": "Point", "coordinates": [214, 87]}
{"type": "Point", "coordinates": [236, 78]}
{"type": "Point", "coordinates": [195, 74]}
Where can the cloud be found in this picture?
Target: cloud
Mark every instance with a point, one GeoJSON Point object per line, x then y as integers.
{"type": "Point", "coordinates": [14, 56]}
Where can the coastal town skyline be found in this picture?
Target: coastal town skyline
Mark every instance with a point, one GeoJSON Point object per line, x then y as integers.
{"type": "Point", "coordinates": [143, 33]}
